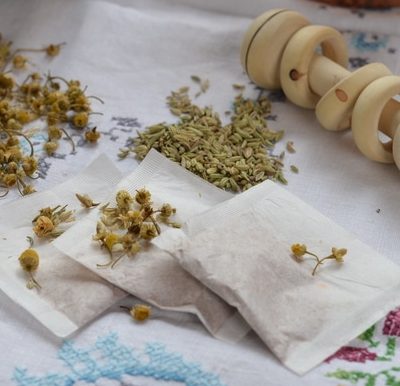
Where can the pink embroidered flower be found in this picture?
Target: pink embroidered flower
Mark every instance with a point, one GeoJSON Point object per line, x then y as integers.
{"type": "Point", "coordinates": [392, 323]}
{"type": "Point", "coordinates": [353, 354]}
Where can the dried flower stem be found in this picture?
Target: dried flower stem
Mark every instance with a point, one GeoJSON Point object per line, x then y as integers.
{"type": "Point", "coordinates": [299, 250]}
{"type": "Point", "coordinates": [23, 136]}
{"type": "Point", "coordinates": [70, 139]}
{"type": "Point", "coordinates": [319, 261]}
{"type": "Point", "coordinates": [32, 282]}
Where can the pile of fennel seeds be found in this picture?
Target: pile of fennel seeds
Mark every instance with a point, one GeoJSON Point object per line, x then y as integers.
{"type": "Point", "coordinates": [235, 156]}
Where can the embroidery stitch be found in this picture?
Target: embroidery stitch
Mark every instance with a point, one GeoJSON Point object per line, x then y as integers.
{"type": "Point", "coordinates": [109, 359]}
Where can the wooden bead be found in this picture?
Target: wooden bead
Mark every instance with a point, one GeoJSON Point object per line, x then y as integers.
{"type": "Point", "coordinates": [280, 49]}
{"type": "Point", "coordinates": [334, 109]}
{"type": "Point", "coordinates": [264, 42]}
{"type": "Point", "coordinates": [366, 116]}
{"type": "Point", "coordinates": [297, 57]}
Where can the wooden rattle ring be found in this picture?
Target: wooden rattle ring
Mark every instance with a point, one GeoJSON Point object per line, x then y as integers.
{"type": "Point", "coordinates": [366, 116]}
{"type": "Point", "coordinates": [264, 42]}
{"type": "Point", "coordinates": [297, 57]}
{"type": "Point", "coordinates": [334, 109]}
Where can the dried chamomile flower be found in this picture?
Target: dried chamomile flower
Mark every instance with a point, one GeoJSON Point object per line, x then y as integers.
{"type": "Point", "coordinates": [135, 217]}
{"type": "Point", "coordinates": [134, 248]}
{"type": "Point", "coordinates": [167, 211]}
{"type": "Point", "coordinates": [338, 254]}
{"type": "Point", "coordinates": [29, 165]}
{"type": "Point", "coordinates": [45, 225]}
{"type": "Point", "coordinates": [29, 261]}
{"type": "Point", "coordinates": [92, 135]}
{"type": "Point", "coordinates": [86, 201]}
{"type": "Point", "coordinates": [139, 312]}
{"type": "Point", "coordinates": [54, 133]}
{"type": "Point", "coordinates": [148, 231]}
{"type": "Point", "coordinates": [10, 179]}
{"type": "Point", "coordinates": [299, 250]}
{"type": "Point", "coordinates": [80, 120]}
{"type": "Point", "coordinates": [54, 100]}
{"type": "Point", "coordinates": [111, 240]}
{"type": "Point", "coordinates": [50, 147]}
{"type": "Point", "coordinates": [124, 229]}
{"type": "Point", "coordinates": [101, 231]}
{"type": "Point", "coordinates": [146, 211]}
{"type": "Point", "coordinates": [143, 197]}
{"type": "Point", "coordinates": [53, 49]}
{"type": "Point", "coordinates": [19, 62]}
{"type": "Point", "coordinates": [123, 199]}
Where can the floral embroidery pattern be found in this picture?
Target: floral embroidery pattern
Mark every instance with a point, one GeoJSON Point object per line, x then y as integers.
{"type": "Point", "coordinates": [109, 359]}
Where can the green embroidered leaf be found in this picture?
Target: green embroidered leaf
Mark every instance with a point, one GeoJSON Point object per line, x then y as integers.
{"type": "Point", "coordinates": [367, 336]}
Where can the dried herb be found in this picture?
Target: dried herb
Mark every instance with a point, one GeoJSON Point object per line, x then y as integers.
{"type": "Point", "coordinates": [204, 84]}
{"type": "Point", "coordinates": [299, 250]}
{"type": "Point", "coordinates": [289, 147]}
{"type": "Point", "coordinates": [86, 201]}
{"type": "Point", "coordinates": [61, 104]}
{"type": "Point", "coordinates": [46, 223]}
{"type": "Point", "coordinates": [139, 312]}
{"type": "Point", "coordinates": [234, 157]}
{"type": "Point", "coordinates": [29, 261]}
{"type": "Point", "coordinates": [124, 229]}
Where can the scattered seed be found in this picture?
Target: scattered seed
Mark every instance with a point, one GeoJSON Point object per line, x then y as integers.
{"type": "Point", "coordinates": [289, 147]}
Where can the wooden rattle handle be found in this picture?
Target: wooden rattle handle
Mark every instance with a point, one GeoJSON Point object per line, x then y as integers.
{"type": "Point", "coordinates": [279, 51]}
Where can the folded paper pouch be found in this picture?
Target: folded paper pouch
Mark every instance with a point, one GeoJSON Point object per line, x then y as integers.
{"type": "Point", "coordinates": [70, 294]}
{"type": "Point", "coordinates": [241, 250]}
{"type": "Point", "coordinates": [153, 275]}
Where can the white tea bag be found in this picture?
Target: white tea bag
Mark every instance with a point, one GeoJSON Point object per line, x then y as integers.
{"type": "Point", "coordinates": [70, 294]}
{"type": "Point", "coordinates": [153, 275]}
{"type": "Point", "coordinates": [241, 249]}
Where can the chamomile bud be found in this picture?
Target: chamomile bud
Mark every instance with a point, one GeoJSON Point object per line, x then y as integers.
{"type": "Point", "coordinates": [29, 261]}
{"type": "Point", "coordinates": [80, 120]}
{"type": "Point", "coordinates": [148, 231]}
{"type": "Point", "coordinates": [92, 135]}
{"type": "Point", "coordinates": [124, 199]}
{"type": "Point", "coordinates": [50, 147]}
{"type": "Point", "coordinates": [43, 226]}
{"type": "Point", "coordinates": [143, 196]}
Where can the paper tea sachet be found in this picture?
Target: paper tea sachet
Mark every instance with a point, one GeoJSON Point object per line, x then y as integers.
{"type": "Point", "coordinates": [150, 273]}
{"type": "Point", "coordinates": [259, 251]}
{"type": "Point", "coordinates": [59, 292]}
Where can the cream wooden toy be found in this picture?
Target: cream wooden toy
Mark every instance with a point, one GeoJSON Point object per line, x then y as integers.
{"type": "Point", "coordinates": [280, 50]}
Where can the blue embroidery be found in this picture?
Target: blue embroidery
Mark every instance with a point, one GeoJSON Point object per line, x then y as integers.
{"type": "Point", "coordinates": [368, 42]}
{"type": "Point", "coordinates": [110, 359]}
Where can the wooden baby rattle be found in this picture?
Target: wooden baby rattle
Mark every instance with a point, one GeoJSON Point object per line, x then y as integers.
{"type": "Point", "coordinates": [279, 51]}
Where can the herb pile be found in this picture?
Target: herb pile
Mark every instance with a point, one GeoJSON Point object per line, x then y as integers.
{"type": "Point", "coordinates": [235, 156]}
{"type": "Point", "coordinates": [58, 103]}
{"type": "Point", "coordinates": [129, 226]}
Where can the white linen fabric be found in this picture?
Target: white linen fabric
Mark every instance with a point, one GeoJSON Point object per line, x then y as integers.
{"type": "Point", "coordinates": [132, 54]}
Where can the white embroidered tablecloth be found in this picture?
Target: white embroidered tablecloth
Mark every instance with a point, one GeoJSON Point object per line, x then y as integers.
{"type": "Point", "coordinates": [132, 54]}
